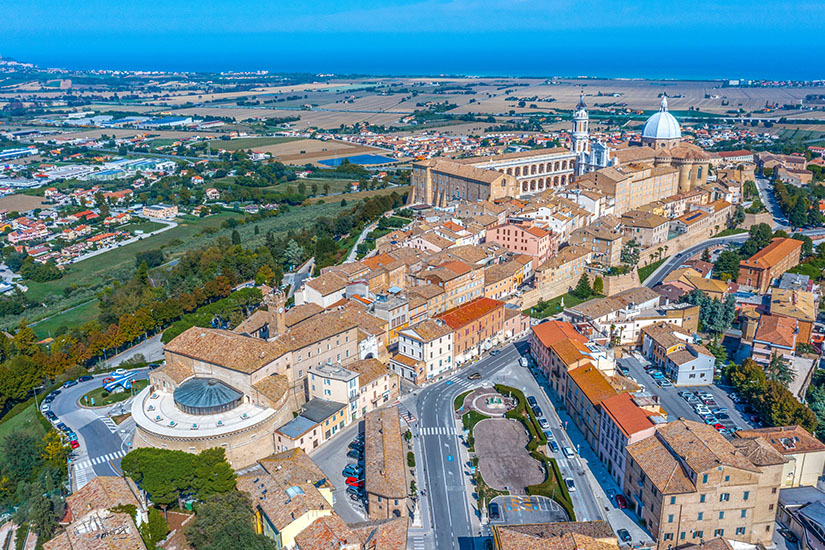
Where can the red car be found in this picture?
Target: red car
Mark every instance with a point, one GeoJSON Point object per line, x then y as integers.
{"type": "Point", "coordinates": [621, 502]}
{"type": "Point", "coordinates": [718, 427]}
{"type": "Point", "coordinates": [74, 444]}
{"type": "Point", "coordinates": [353, 482]}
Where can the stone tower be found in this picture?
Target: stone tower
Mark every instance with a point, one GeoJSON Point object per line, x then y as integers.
{"type": "Point", "coordinates": [580, 136]}
{"type": "Point", "coordinates": [275, 304]}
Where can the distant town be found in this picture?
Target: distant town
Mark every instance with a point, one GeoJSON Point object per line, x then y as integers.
{"type": "Point", "coordinates": [314, 312]}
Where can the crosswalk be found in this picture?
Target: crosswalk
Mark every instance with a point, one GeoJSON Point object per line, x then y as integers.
{"type": "Point", "coordinates": [99, 459]}
{"type": "Point", "coordinates": [109, 423]}
{"type": "Point", "coordinates": [417, 543]}
{"type": "Point", "coordinates": [438, 430]}
{"type": "Point", "coordinates": [405, 414]}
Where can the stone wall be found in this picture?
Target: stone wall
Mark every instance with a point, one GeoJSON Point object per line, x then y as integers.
{"type": "Point", "coordinates": [756, 219]}
{"type": "Point", "coordinates": [613, 284]}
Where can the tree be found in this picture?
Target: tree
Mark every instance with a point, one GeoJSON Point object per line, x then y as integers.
{"type": "Point", "coordinates": [582, 290]}
{"type": "Point", "coordinates": [54, 450]}
{"type": "Point", "coordinates": [155, 529]}
{"type": "Point", "coordinates": [807, 243]}
{"type": "Point", "coordinates": [213, 474]}
{"type": "Point", "coordinates": [705, 255]}
{"type": "Point", "coordinates": [265, 275]}
{"type": "Point", "coordinates": [779, 370]}
{"type": "Point", "coordinates": [294, 254]}
{"type": "Point", "coordinates": [738, 216]}
{"type": "Point", "coordinates": [630, 253]}
{"type": "Point", "coordinates": [236, 237]}
{"type": "Point", "coordinates": [727, 266]}
{"type": "Point", "coordinates": [162, 473]}
{"type": "Point", "coordinates": [277, 275]}
{"type": "Point", "coordinates": [224, 522]}
{"type": "Point", "coordinates": [20, 455]}
{"type": "Point", "coordinates": [42, 515]}
{"type": "Point", "coordinates": [799, 213]}
{"type": "Point", "coordinates": [598, 285]}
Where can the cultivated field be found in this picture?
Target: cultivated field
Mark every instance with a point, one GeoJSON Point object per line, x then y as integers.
{"type": "Point", "coordinates": [20, 203]}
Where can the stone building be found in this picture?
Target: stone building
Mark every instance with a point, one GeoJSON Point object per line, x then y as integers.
{"type": "Point", "coordinates": [385, 480]}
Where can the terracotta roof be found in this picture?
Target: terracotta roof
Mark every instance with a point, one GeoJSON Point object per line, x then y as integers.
{"type": "Point", "coordinates": [758, 451]}
{"type": "Point", "coordinates": [457, 267]}
{"type": "Point", "coordinates": [462, 170]}
{"type": "Point", "coordinates": [296, 314]}
{"type": "Point", "coordinates": [565, 255]}
{"type": "Point", "coordinates": [570, 351]}
{"type": "Point", "coordinates": [273, 387]}
{"type": "Point", "coordinates": [327, 283]}
{"type": "Point", "coordinates": [379, 260]}
{"type": "Point", "coordinates": [469, 312]}
{"type": "Point", "coordinates": [593, 384]}
{"type": "Point", "coordinates": [772, 254]}
{"type": "Point", "coordinates": [701, 446]}
{"type": "Point", "coordinates": [388, 534]}
{"type": "Point", "coordinates": [638, 218]}
{"type": "Point", "coordinates": [707, 285]}
{"type": "Point", "coordinates": [633, 154]}
{"type": "Point", "coordinates": [660, 466]}
{"type": "Point", "coordinates": [103, 492]}
{"type": "Point", "coordinates": [428, 330]}
{"type": "Point", "coordinates": [552, 332]}
{"type": "Point", "coordinates": [176, 370]}
{"type": "Point", "coordinates": [384, 464]}
{"type": "Point", "coordinates": [788, 440]}
{"type": "Point", "coordinates": [799, 304]}
{"type": "Point", "coordinates": [777, 330]}
{"type": "Point", "coordinates": [498, 272]}
{"type": "Point", "coordinates": [599, 307]}
{"type": "Point", "coordinates": [585, 535]}
{"type": "Point", "coordinates": [316, 328]}
{"type": "Point", "coordinates": [224, 348]}
{"type": "Point", "coordinates": [369, 370]}
{"type": "Point", "coordinates": [628, 416]}
{"type": "Point", "coordinates": [99, 530]}
{"type": "Point", "coordinates": [326, 533]}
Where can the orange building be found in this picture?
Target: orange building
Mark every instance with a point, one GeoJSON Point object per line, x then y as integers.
{"type": "Point", "coordinates": [474, 323]}
{"type": "Point", "coordinates": [762, 268]}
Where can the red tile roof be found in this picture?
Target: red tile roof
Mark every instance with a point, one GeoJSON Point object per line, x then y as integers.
{"type": "Point", "coordinates": [628, 416]}
{"type": "Point", "coordinates": [779, 249]}
{"type": "Point", "coordinates": [552, 332]}
{"type": "Point", "coordinates": [469, 312]}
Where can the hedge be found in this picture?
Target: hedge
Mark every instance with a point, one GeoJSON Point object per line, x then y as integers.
{"type": "Point", "coordinates": [531, 423]}
{"type": "Point", "coordinates": [553, 480]}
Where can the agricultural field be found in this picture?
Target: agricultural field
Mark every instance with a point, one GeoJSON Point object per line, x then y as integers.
{"type": "Point", "coordinates": [257, 144]}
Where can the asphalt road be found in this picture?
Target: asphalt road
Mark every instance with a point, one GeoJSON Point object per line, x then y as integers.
{"type": "Point", "coordinates": [102, 443]}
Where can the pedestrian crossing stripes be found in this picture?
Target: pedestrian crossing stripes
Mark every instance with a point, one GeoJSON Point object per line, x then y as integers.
{"type": "Point", "coordinates": [438, 430]}
{"type": "Point", "coordinates": [405, 414]}
{"type": "Point", "coordinates": [109, 423]}
{"type": "Point", "coordinates": [99, 459]}
{"type": "Point", "coordinates": [418, 543]}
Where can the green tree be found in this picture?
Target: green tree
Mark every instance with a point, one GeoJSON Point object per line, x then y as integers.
{"type": "Point", "coordinates": [726, 267]}
{"type": "Point", "coordinates": [582, 290]}
{"type": "Point", "coordinates": [162, 473]}
{"type": "Point", "coordinates": [21, 456]}
{"type": "Point", "coordinates": [294, 254]}
{"type": "Point", "coordinates": [265, 275]}
{"type": "Point", "coordinates": [42, 515]}
{"type": "Point", "coordinates": [779, 370]}
{"type": "Point", "coordinates": [236, 237]}
{"type": "Point", "coordinates": [224, 522]}
{"type": "Point", "coordinates": [598, 285]}
{"type": "Point", "coordinates": [277, 275]}
{"type": "Point", "coordinates": [213, 474]}
{"type": "Point", "coordinates": [155, 529]}
{"type": "Point", "coordinates": [705, 255]}
{"type": "Point", "coordinates": [799, 214]}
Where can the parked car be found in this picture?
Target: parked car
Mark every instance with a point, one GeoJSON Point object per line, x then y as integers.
{"type": "Point", "coordinates": [355, 492]}
{"type": "Point", "coordinates": [664, 383]}
{"type": "Point", "coordinates": [718, 410]}
{"type": "Point", "coordinates": [621, 502]}
{"type": "Point", "coordinates": [544, 424]}
{"type": "Point", "coordinates": [69, 383]}
{"type": "Point", "coordinates": [51, 416]}
{"type": "Point", "coordinates": [74, 444]}
{"type": "Point", "coordinates": [531, 401]}
{"type": "Point", "coordinates": [523, 361]}
{"type": "Point", "coordinates": [553, 446]}
{"type": "Point", "coordinates": [354, 482]}
{"type": "Point", "coordinates": [537, 411]}
{"type": "Point", "coordinates": [722, 416]}
{"type": "Point", "coordinates": [624, 370]}
{"type": "Point", "coordinates": [54, 394]}
{"type": "Point", "coordinates": [352, 470]}
{"type": "Point", "coordinates": [789, 535]}
{"type": "Point", "coordinates": [495, 513]}
{"type": "Point", "coordinates": [571, 487]}
{"type": "Point", "coordinates": [71, 436]}
{"type": "Point", "coordinates": [569, 452]}
{"type": "Point", "coordinates": [709, 419]}
{"type": "Point", "coordinates": [494, 353]}
{"type": "Point", "coordinates": [719, 427]}
{"type": "Point", "coordinates": [474, 376]}
{"type": "Point", "coordinates": [355, 444]}
{"type": "Point", "coordinates": [354, 454]}
{"type": "Point", "coordinates": [624, 535]}
{"type": "Point", "coordinates": [85, 378]}
{"type": "Point", "coordinates": [48, 399]}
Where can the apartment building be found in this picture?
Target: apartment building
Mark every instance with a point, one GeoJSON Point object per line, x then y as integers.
{"type": "Point", "coordinates": [501, 280]}
{"type": "Point", "coordinates": [475, 324]}
{"type": "Point", "coordinates": [363, 385]}
{"type": "Point", "coordinates": [646, 228]}
{"type": "Point", "coordinates": [385, 480]}
{"type": "Point", "coordinates": [586, 388]}
{"type": "Point", "coordinates": [459, 281]}
{"type": "Point", "coordinates": [604, 239]}
{"type": "Point", "coordinates": [804, 454]}
{"type": "Point", "coordinates": [672, 349]}
{"type": "Point", "coordinates": [560, 273]}
{"type": "Point", "coordinates": [525, 239]}
{"type": "Point", "coordinates": [759, 271]}
{"type": "Point", "coordinates": [688, 483]}
{"type": "Point", "coordinates": [425, 351]}
{"type": "Point", "coordinates": [162, 211]}
{"type": "Point", "coordinates": [622, 423]}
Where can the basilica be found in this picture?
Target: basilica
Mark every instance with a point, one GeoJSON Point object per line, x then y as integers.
{"type": "Point", "coordinates": [661, 145]}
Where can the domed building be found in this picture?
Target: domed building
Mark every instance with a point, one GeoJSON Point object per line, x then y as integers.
{"type": "Point", "coordinates": [661, 146]}
{"type": "Point", "coordinates": [661, 130]}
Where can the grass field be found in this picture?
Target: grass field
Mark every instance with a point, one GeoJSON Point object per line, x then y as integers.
{"type": "Point", "coordinates": [553, 306]}
{"type": "Point", "coordinates": [249, 143]}
{"type": "Point", "coordinates": [96, 395]}
{"type": "Point", "coordinates": [335, 185]}
{"type": "Point", "coordinates": [75, 316]}
{"type": "Point", "coordinates": [647, 271]}
{"type": "Point", "coordinates": [145, 226]}
{"type": "Point", "coordinates": [28, 420]}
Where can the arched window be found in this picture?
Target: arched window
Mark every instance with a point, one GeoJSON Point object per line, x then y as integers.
{"type": "Point", "coordinates": [524, 187]}
{"type": "Point", "coordinates": [510, 171]}
{"type": "Point", "coordinates": [556, 166]}
{"type": "Point", "coordinates": [533, 169]}
{"type": "Point", "coordinates": [564, 179]}
{"type": "Point", "coordinates": [518, 171]}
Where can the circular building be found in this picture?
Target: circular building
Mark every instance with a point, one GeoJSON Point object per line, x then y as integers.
{"type": "Point", "coordinates": [204, 396]}
{"type": "Point", "coordinates": [662, 129]}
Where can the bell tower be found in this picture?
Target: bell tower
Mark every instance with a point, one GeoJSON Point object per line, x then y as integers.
{"type": "Point", "coordinates": [275, 304]}
{"type": "Point", "coordinates": [580, 136]}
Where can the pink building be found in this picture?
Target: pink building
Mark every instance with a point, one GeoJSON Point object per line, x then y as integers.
{"type": "Point", "coordinates": [525, 239]}
{"type": "Point", "coordinates": [622, 422]}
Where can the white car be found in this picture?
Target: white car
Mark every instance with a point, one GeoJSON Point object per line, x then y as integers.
{"type": "Point", "coordinates": [570, 485]}
{"type": "Point", "coordinates": [568, 452]}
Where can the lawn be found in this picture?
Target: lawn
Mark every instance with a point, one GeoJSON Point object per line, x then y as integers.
{"type": "Point", "coordinates": [335, 185]}
{"type": "Point", "coordinates": [97, 397]}
{"type": "Point", "coordinates": [553, 486]}
{"type": "Point", "coordinates": [29, 420]}
{"type": "Point", "coordinates": [145, 226]}
{"type": "Point", "coordinates": [551, 307]}
{"type": "Point", "coordinates": [647, 271]}
{"type": "Point", "coordinates": [729, 232]}
{"type": "Point", "coordinates": [70, 317]}
{"type": "Point", "coordinates": [459, 401]}
{"type": "Point", "coordinates": [249, 143]}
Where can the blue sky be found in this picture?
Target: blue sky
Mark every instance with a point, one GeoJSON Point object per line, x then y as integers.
{"type": "Point", "coordinates": [633, 38]}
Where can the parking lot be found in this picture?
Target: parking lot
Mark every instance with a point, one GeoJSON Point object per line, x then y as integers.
{"type": "Point", "coordinates": [682, 402]}
{"type": "Point", "coordinates": [523, 509]}
{"type": "Point", "coordinates": [333, 460]}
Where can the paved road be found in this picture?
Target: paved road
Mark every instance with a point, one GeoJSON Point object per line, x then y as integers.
{"type": "Point", "coordinates": [151, 349]}
{"type": "Point", "coordinates": [102, 443]}
{"type": "Point", "coordinates": [297, 278]}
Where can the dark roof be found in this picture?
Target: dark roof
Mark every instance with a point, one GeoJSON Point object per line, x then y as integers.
{"type": "Point", "coordinates": [205, 393]}
{"type": "Point", "coordinates": [318, 410]}
{"type": "Point", "coordinates": [297, 427]}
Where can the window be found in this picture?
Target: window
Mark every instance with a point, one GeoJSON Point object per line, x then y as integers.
{"type": "Point", "coordinates": [746, 495]}
{"type": "Point", "coordinates": [727, 478]}
{"type": "Point", "coordinates": [700, 516]}
{"type": "Point", "coordinates": [744, 514]}
{"type": "Point", "coordinates": [668, 536]}
{"type": "Point", "coordinates": [701, 498]}
{"type": "Point", "coordinates": [740, 530]}
{"type": "Point", "coordinates": [670, 518]}
{"type": "Point", "coordinates": [770, 507]}
{"type": "Point", "coordinates": [704, 478]}
{"type": "Point", "coordinates": [718, 532]}
{"type": "Point", "coordinates": [673, 500]}
{"type": "Point", "coordinates": [724, 497]}
{"type": "Point", "coordinates": [682, 535]}
{"type": "Point", "coordinates": [722, 514]}
{"type": "Point", "coordinates": [698, 534]}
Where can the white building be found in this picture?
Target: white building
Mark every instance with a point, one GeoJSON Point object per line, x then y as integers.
{"type": "Point", "coordinates": [425, 351]}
